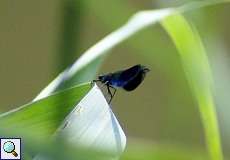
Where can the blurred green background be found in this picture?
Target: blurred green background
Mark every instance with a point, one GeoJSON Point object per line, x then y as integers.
{"type": "Point", "coordinates": [41, 38]}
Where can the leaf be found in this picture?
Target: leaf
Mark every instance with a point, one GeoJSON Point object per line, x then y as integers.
{"type": "Point", "coordinates": [42, 118]}
{"type": "Point", "coordinates": [197, 70]}
{"type": "Point", "coordinates": [139, 21]}
{"type": "Point", "coordinates": [52, 149]}
{"type": "Point", "coordinates": [69, 37]}
{"type": "Point", "coordinates": [92, 125]}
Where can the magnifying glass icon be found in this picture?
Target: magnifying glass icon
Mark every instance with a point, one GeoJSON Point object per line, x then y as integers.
{"type": "Point", "coordinates": [9, 147]}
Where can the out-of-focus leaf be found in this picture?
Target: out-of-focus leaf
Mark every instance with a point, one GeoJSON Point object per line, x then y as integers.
{"type": "Point", "coordinates": [42, 118]}
{"type": "Point", "coordinates": [69, 36]}
{"type": "Point", "coordinates": [197, 70]}
{"type": "Point", "coordinates": [86, 74]}
{"type": "Point", "coordinates": [138, 22]}
{"type": "Point", "coordinates": [52, 149]}
{"type": "Point", "coordinates": [121, 11]}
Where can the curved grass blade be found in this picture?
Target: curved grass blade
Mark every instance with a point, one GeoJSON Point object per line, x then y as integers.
{"type": "Point", "coordinates": [198, 73]}
{"type": "Point", "coordinates": [139, 21]}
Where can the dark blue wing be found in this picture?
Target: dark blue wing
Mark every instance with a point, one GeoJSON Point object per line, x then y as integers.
{"type": "Point", "coordinates": [135, 81]}
{"type": "Point", "coordinates": [122, 78]}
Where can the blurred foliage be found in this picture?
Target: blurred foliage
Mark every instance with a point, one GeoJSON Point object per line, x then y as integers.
{"type": "Point", "coordinates": [197, 70]}
{"type": "Point", "coordinates": [168, 110]}
{"type": "Point", "coordinates": [71, 14]}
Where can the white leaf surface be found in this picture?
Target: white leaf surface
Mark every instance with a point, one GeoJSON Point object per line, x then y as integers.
{"type": "Point", "coordinates": [92, 124]}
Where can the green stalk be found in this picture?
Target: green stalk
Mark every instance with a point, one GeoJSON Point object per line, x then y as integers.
{"type": "Point", "coordinates": [198, 73]}
{"type": "Point", "coordinates": [68, 46]}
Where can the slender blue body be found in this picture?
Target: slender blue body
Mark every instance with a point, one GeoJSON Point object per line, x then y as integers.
{"type": "Point", "coordinates": [127, 79]}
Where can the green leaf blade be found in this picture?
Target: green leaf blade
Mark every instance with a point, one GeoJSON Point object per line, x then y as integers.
{"type": "Point", "coordinates": [198, 73]}
{"type": "Point", "coordinates": [44, 116]}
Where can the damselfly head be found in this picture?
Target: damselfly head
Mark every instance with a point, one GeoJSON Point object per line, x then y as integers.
{"type": "Point", "coordinates": [145, 69]}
